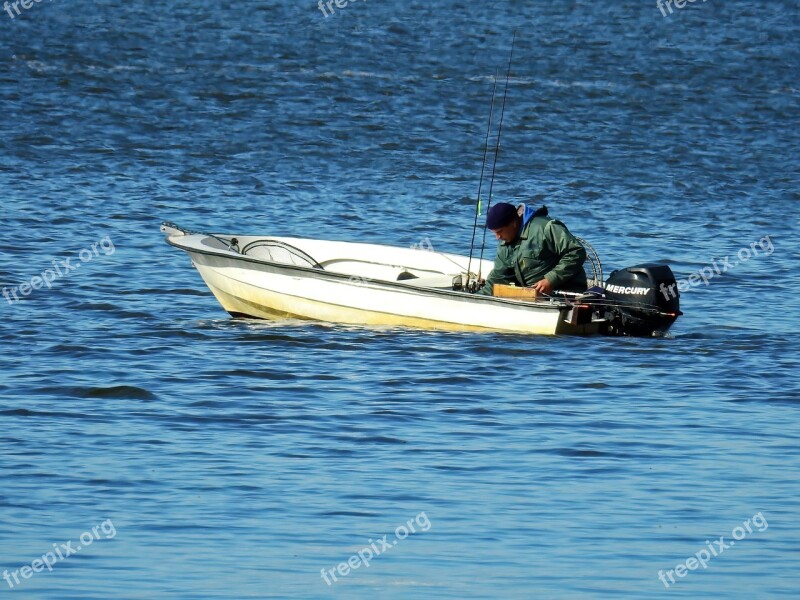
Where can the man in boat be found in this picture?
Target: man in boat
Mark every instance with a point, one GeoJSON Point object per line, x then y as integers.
{"type": "Point", "coordinates": [535, 251]}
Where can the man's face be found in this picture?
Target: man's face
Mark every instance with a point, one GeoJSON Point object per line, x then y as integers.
{"type": "Point", "coordinates": [508, 233]}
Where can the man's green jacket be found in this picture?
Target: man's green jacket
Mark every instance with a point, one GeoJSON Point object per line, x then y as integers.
{"type": "Point", "coordinates": [545, 249]}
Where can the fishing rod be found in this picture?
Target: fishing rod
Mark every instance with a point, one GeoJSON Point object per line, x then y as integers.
{"type": "Point", "coordinates": [497, 149]}
{"type": "Point", "coordinates": [480, 182]}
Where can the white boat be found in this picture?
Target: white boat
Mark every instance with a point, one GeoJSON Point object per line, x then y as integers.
{"type": "Point", "coordinates": [370, 284]}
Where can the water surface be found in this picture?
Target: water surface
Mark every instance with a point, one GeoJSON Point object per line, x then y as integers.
{"type": "Point", "coordinates": [238, 459]}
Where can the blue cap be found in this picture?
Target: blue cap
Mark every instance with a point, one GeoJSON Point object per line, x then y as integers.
{"type": "Point", "coordinates": [500, 215]}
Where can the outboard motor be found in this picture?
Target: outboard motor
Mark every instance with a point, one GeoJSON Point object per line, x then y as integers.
{"type": "Point", "coordinates": [641, 300]}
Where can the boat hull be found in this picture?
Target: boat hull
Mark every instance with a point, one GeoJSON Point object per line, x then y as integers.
{"type": "Point", "coordinates": [272, 291]}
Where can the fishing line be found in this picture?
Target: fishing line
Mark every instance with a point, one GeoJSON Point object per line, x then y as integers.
{"type": "Point", "coordinates": [480, 182]}
{"type": "Point", "coordinates": [497, 148]}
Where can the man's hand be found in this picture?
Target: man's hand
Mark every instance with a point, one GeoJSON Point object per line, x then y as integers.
{"type": "Point", "coordinates": [543, 287]}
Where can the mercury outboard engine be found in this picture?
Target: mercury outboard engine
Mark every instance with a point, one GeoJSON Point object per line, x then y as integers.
{"type": "Point", "coordinates": [641, 301]}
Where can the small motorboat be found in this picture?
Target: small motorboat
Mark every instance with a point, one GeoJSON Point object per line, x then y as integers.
{"type": "Point", "coordinates": [369, 284]}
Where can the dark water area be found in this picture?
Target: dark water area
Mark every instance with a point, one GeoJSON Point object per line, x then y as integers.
{"type": "Point", "coordinates": [192, 455]}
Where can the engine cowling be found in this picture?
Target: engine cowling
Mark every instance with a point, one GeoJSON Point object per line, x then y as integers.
{"type": "Point", "coordinates": [641, 301]}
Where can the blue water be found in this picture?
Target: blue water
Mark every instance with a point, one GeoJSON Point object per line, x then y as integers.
{"type": "Point", "coordinates": [219, 458]}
